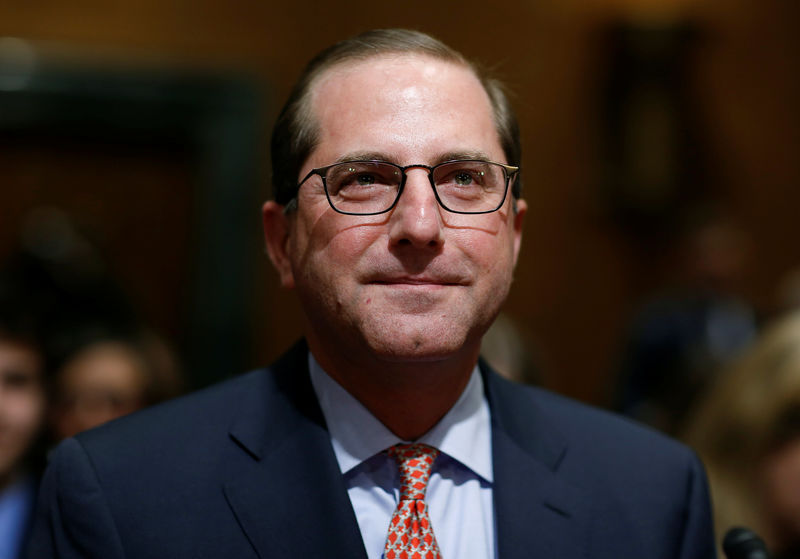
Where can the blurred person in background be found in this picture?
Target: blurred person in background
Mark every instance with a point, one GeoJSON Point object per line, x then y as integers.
{"type": "Point", "coordinates": [71, 351]}
{"type": "Point", "coordinates": [747, 430]}
{"type": "Point", "coordinates": [108, 374]}
{"type": "Point", "coordinates": [22, 417]}
{"type": "Point", "coordinates": [104, 363]}
{"type": "Point", "coordinates": [682, 339]}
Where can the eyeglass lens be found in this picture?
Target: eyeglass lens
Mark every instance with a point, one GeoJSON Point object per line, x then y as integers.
{"type": "Point", "coordinates": [372, 187]}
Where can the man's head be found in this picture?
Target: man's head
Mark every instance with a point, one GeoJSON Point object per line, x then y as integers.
{"type": "Point", "coordinates": [418, 283]}
{"type": "Point", "coordinates": [22, 389]}
{"type": "Point", "coordinates": [22, 403]}
{"type": "Point", "coordinates": [296, 131]}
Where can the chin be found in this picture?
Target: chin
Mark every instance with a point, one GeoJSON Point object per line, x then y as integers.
{"type": "Point", "coordinates": [401, 343]}
{"type": "Point", "coordinates": [413, 354]}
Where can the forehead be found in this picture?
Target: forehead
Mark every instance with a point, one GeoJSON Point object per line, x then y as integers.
{"type": "Point", "coordinates": [18, 356]}
{"type": "Point", "coordinates": [407, 106]}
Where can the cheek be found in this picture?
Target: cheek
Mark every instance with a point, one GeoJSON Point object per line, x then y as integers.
{"type": "Point", "coordinates": [23, 413]}
{"type": "Point", "coordinates": [336, 253]}
{"type": "Point", "coordinates": [491, 252]}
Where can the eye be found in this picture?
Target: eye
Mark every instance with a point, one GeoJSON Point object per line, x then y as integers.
{"type": "Point", "coordinates": [365, 179]}
{"type": "Point", "coordinates": [18, 379]}
{"type": "Point", "coordinates": [464, 178]}
{"type": "Point", "coordinates": [460, 174]}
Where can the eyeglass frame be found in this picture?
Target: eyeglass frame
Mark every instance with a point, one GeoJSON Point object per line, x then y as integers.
{"type": "Point", "coordinates": [510, 172]}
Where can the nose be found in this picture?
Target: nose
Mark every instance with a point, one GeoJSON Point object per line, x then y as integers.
{"type": "Point", "coordinates": [416, 219]}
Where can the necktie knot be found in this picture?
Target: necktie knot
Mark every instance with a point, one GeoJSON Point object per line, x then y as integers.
{"type": "Point", "coordinates": [410, 531]}
{"type": "Point", "coordinates": [414, 462]}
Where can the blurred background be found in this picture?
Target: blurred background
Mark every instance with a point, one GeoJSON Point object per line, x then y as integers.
{"type": "Point", "coordinates": [661, 163]}
{"type": "Point", "coordinates": [133, 145]}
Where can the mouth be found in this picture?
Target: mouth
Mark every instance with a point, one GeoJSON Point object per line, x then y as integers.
{"type": "Point", "coordinates": [431, 276]}
{"type": "Point", "coordinates": [420, 282]}
{"type": "Point", "coordinates": [413, 283]}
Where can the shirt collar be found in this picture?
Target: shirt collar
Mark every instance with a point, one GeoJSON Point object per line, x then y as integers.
{"type": "Point", "coordinates": [464, 433]}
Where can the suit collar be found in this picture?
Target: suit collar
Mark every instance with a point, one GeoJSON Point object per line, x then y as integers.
{"type": "Point", "coordinates": [290, 498]}
{"type": "Point", "coordinates": [524, 423]}
{"type": "Point", "coordinates": [278, 401]}
{"type": "Point", "coordinates": [537, 513]}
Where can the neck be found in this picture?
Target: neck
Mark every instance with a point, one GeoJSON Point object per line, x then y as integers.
{"type": "Point", "coordinates": [409, 398]}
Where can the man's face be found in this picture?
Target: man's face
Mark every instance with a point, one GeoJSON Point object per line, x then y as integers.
{"type": "Point", "coordinates": [22, 401]}
{"type": "Point", "coordinates": [418, 282]}
{"type": "Point", "coordinates": [103, 381]}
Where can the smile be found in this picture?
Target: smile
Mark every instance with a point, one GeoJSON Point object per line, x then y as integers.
{"type": "Point", "coordinates": [416, 282]}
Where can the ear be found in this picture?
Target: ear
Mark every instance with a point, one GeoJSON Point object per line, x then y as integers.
{"type": "Point", "coordinates": [276, 237]}
{"type": "Point", "coordinates": [519, 215]}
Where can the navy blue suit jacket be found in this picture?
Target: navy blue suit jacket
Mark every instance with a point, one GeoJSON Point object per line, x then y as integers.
{"type": "Point", "coordinates": [245, 469]}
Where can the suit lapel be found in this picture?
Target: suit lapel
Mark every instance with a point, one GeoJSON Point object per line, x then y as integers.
{"type": "Point", "coordinates": [290, 498]}
{"type": "Point", "coordinates": [537, 514]}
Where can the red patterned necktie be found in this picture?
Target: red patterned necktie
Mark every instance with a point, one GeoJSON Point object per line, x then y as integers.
{"type": "Point", "coordinates": [410, 531]}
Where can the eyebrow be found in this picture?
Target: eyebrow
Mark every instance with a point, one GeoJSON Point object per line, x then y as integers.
{"type": "Point", "coordinates": [380, 156]}
{"type": "Point", "coordinates": [363, 156]}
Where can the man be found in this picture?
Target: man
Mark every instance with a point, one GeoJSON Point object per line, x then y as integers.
{"type": "Point", "coordinates": [397, 221]}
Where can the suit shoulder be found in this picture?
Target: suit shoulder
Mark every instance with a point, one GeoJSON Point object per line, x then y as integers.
{"type": "Point", "coordinates": [205, 411]}
{"type": "Point", "coordinates": [596, 434]}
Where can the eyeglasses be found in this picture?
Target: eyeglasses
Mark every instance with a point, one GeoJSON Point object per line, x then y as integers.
{"type": "Point", "coordinates": [374, 187]}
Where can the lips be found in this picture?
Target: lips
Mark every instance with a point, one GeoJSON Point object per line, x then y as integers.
{"type": "Point", "coordinates": [413, 281]}
{"type": "Point", "coordinates": [434, 274]}
{"type": "Point", "coordinates": [418, 280]}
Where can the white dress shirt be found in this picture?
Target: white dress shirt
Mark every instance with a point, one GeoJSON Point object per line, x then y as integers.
{"type": "Point", "coordinates": [459, 494]}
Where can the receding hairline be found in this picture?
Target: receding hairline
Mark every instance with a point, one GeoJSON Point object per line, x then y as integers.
{"type": "Point", "coordinates": [317, 79]}
{"type": "Point", "coordinates": [296, 133]}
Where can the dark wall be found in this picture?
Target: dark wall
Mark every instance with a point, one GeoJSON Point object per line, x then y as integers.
{"type": "Point", "coordinates": [582, 271]}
